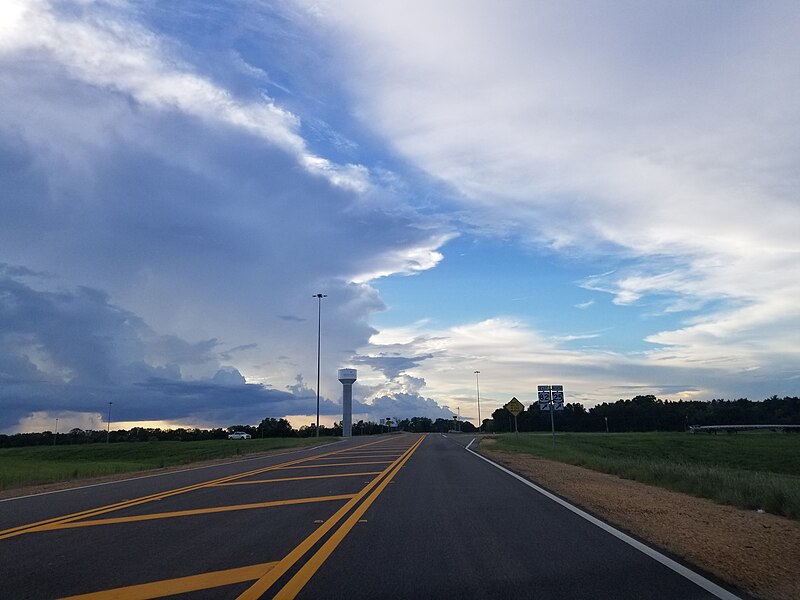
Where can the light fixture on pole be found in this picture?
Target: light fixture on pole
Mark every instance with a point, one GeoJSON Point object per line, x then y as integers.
{"type": "Point", "coordinates": [319, 298]}
{"type": "Point", "coordinates": [478, 388]}
{"type": "Point", "coordinates": [108, 430]}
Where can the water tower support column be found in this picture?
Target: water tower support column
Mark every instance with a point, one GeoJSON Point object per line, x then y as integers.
{"type": "Point", "coordinates": [348, 378]}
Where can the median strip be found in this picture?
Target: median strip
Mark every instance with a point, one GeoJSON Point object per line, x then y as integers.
{"type": "Point", "coordinates": [37, 526]}
{"type": "Point", "coordinates": [283, 479]}
{"type": "Point", "coordinates": [267, 581]}
{"type": "Point", "coordinates": [192, 512]}
{"type": "Point", "coordinates": [263, 575]}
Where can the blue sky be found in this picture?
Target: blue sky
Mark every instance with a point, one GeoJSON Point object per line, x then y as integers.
{"type": "Point", "coordinates": [602, 195]}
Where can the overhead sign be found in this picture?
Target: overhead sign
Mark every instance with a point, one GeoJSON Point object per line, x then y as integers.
{"type": "Point", "coordinates": [514, 406]}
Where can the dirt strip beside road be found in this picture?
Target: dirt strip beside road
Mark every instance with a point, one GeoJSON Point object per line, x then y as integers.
{"type": "Point", "coordinates": [757, 552]}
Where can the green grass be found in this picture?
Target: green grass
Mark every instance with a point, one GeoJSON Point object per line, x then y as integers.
{"type": "Point", "coordinates": [48, 464]}
{"type": "Point", "coordinates": [752, 471]}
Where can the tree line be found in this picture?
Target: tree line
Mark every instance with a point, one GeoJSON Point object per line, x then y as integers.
{"type": "Point", "coordinates": [641, 413]}
{"type": "Point", "coordinates": [648, 413]}
{"type": "Point", "coordinates": [267, 428]}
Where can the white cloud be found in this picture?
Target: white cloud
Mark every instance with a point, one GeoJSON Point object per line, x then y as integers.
{"type": "Point", "coordinates": [207, 184]}
{"type": "Point", "coordinates": [106, 51]}
{"type": "Point", "coordinates": [660, 133]}
{"type": "Point", "coordinates": [514, 358]}
{"type": "Point", "coordinates": [195, 209]}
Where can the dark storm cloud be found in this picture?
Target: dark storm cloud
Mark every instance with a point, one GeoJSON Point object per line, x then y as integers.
{"type": "Point", "coordinates": [74, 350]}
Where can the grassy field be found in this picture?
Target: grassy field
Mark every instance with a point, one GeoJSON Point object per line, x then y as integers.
{"type": "Point", "coordinates": [748, 470]}
{"type": "Point", "coordinates": [47, 464]}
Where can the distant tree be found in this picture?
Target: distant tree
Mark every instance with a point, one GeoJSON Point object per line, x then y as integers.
{"type": "Point", "coordinates": [421, 424]}
{"type": "Point", "coordinates": [271, 427]}
{"type": "Point", "coordinates": [467, 427]}
{"type": "Point", "coordinates": [442, 425]}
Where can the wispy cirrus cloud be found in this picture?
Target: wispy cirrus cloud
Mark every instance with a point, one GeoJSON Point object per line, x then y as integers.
{"type": "Point", "coordinates": [655, 135]}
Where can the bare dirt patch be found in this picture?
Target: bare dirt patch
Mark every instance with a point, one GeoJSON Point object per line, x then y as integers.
{"type": "Point", "coordinates": [758, 553]}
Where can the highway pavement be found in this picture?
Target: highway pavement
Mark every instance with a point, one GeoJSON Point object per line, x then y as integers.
{"type": "Point", "coordinates": [395, 516]}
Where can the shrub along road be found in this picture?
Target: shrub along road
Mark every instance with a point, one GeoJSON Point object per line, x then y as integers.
{"type": "Point", "coordinates": [401, 516]}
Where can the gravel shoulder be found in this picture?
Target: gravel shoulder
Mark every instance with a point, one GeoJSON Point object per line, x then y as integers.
{"type": "Point", "coordinates": [757, 553]}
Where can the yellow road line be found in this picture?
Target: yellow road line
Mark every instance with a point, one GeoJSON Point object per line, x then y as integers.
{"type": "Point", "coordinates": [210, 580]}
{"type": "Point", "coordinates": [21, 529]}
{"type": "Point", "coordinates": [378, 450]}
{"type": "Point", "coordinates": [268, 580]}
{"type": "Point", "coordinates": [391, 456]}
{"type": "Point", "coordinates": [282, 479]}
{"type": "Point", "coordinates": [374, 462]}
{"type": "Point", "coordinates": [191, 512]}
{"type": "Point", "coordinates": [306, 572]}
{"type": "Point", "coordinates": [180, 585]}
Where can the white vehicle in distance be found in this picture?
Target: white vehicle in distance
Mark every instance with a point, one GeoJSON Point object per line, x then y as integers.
{"type": "Point", "coordinates": [239, 435]}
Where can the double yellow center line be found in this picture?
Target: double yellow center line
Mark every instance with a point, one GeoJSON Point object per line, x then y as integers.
{"type": "Point", "coordinates": [355, 507]}
{"type": "Point", "coordinates": [317, 547]}
{"type": "Point", "coordinates": [63, 521]}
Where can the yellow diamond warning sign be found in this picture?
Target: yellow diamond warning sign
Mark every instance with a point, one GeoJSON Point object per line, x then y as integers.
{"type": "Point", "coordinates": [514, 406]}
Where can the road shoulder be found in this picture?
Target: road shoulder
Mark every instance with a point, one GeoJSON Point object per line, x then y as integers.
{"type": "Point", "coordinates": [756, 552]}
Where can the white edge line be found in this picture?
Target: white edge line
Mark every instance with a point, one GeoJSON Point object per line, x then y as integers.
{"type": "Point", "coordinates": [91, 485]}
{"type": "Point", "coordinates": [692, 576]}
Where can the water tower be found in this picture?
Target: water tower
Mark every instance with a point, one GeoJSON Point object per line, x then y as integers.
{"type": "Point", "coordinates": [348, 378]}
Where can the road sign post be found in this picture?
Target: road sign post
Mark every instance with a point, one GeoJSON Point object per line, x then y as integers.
{"type": "Point", "coordinates": [551, 397]}
{"type": "Point", "coordinates": [515, 407]}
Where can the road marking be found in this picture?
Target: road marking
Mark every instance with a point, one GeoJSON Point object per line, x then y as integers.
{"type": "Point", "coordinates": [180, 585]}
{"type": "Point", "coordinates": [350, 464]}
{"type": "Point", "coordinates": [173, 472]}
{"type": "Point", "coordinates": [370, 454]}
{"type": "Point", "coordinates": [282, 479]}
{"type": "Point", "coordinates": [262, 585]}
{"type": "Point", "coordinates": [21, 529]}
{"type": "Point", "coordinates": [256, 573]}
{"type": "Point", "coordinates": [306, 572]}
{"type": "Point", "coordinates": [696, 578]}
{"type": "Point", "coordinates": [191, 512]}
{"type": "Point", "coordinates": [349, 453]}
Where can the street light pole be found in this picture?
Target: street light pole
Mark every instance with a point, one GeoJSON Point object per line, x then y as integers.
{"type": "Point", "coordinates": [478, 388]}
{"type": "Point", "coordinates": [108, 430]}
{"type": "Point", "coordinates": [319, 298]}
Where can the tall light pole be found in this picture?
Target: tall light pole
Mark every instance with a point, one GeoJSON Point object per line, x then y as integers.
{"type": "Point", "coordinates": [319, 298]}
{"type": "Point", "coordinates": [55, 437]}
{"type": "Point", "coordinates": [108, 430]}
{"type": "Point", "coordinates": [478, 388]}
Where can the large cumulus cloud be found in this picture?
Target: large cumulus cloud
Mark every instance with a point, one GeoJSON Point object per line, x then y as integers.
{"type": "Point", "coordinates": [143, 170]}
{"type": "Point", "coordinates": [74, 351]}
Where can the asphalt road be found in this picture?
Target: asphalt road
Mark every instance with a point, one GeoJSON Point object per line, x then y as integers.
{"type": "Point", "coordinates": [401, 516]}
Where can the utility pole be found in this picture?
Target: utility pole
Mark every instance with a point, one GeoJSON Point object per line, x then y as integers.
{"type": "Point", "coordinates": [108, 430]}
{"type": "Point", "coordinates": [478, 388]}
{"type": "Point", "coordinates": [319, 298]}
